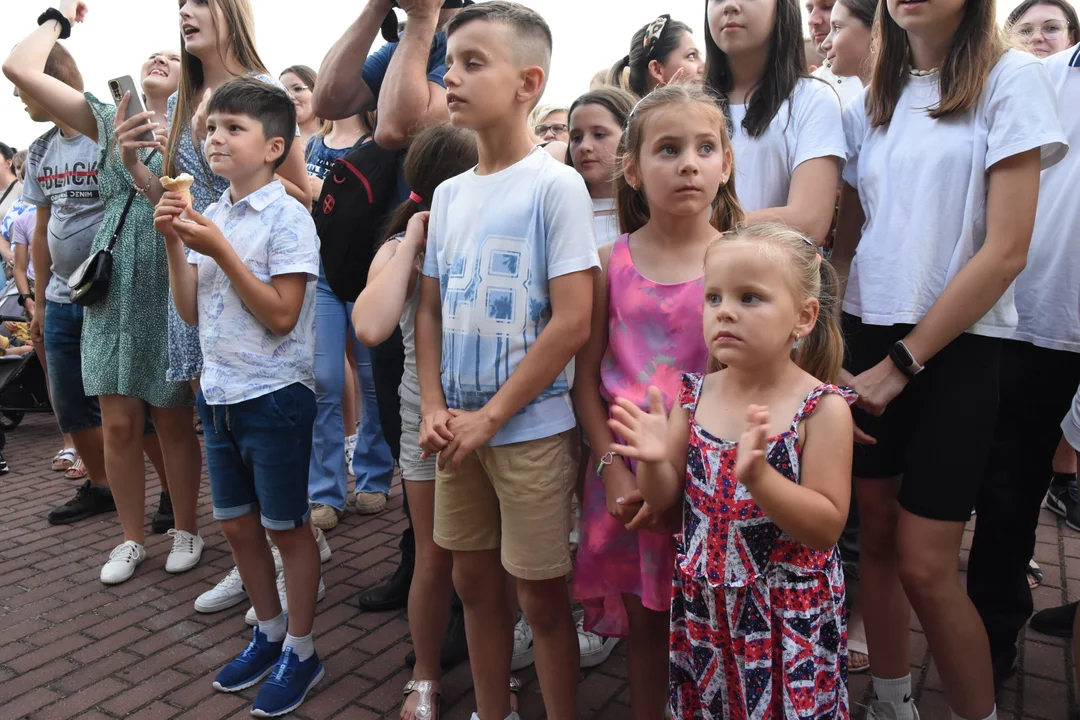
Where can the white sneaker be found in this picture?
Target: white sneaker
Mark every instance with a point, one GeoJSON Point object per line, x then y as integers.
{"type": "Point", "coordinates": [350, 450]}
{"type": "Point", "coordinates": [324, 547]}
{"type": "Point", "coordinates": [230, 591]}
{"type": "Point", "coordinates": [250, 618]}
{"type": "Point", "coordinates": [523, 646]}
{"type": "Point", "coordinates": [594, 649]}
{"type": "Point", "coordinates": [123, 560]}
{"type": "Point", "coordinates": [511, 716]}
{"type": "Point", "coordinates": [278, 565]}
{"type": "Point", "coordinates": [186, 551]}
{"type": "Point", "coordinates": [881, 710]}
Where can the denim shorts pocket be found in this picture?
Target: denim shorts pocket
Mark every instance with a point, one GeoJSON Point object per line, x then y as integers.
{"type": "Point", "coordinates": [282, 404]}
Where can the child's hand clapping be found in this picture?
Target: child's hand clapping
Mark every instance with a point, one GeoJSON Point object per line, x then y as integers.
{"type": "Point", "coordinates": [645, 433]}
{"type": "Point", "coordinates": [750, 460]}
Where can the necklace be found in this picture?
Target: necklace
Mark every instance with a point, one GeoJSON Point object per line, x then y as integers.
{"type": "Point", "coordinates": [922, 73]}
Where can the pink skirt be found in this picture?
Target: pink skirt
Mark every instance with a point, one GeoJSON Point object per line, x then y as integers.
{"type": "Point", "coordinates": [612, 562]}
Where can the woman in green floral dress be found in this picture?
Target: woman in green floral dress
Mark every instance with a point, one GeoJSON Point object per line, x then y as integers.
{"type": "Point", "coordinates": [124, 340]}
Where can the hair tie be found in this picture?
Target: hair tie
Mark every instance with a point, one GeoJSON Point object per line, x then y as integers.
{"type": "Point", "coordinates": [416, 198]}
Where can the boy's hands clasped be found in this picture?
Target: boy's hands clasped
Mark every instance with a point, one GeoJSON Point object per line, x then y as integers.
{"type": "Point", "coordinates": [454, 434]}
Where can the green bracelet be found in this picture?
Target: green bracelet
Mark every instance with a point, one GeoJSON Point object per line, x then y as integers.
{"type": "Point", "coordinates": [606, 459]}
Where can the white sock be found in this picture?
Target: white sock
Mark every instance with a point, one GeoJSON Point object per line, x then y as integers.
{"type": "Point", "coordinates": [511, 716]}
{"type": "Point", "coordinates": [304, 647]}
{"type": "Point", "coordinates": [274, 630]}
{"type": "Point", "coordinates": [991, 716]}
{"type": "Point", "coordinates": [896, 692]}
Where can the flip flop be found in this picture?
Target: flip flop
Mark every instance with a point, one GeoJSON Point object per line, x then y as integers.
{"type": "Point", "coordinates": [64, 459]}
{"type": "Point", "coordinates": [1035, 574]}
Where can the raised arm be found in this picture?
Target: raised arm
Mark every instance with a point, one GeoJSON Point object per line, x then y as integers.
{"type": "Point", "coordinates": [814, 510]}
{"type": "Point", "coordinates": [658, 442]}
{"type": "Point", "coordinates": [408, 100]}
{"type": "Point", "coordinates": [25, 68]}
{"type": "Point", "coordinates": [391, 280]}
{"type": "Point", "coordinates": [811, 200]}
{"type": "Point", "coordinates": [341, 91]}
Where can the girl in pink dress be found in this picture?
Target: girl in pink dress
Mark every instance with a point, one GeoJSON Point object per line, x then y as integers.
{"type": "Point", "coordinates": [757, 456]}
{"type": "Point", "coordinates": [674, 195]}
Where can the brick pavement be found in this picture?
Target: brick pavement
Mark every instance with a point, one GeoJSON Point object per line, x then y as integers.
{"type": "Point", "coordinates": [71, 647]}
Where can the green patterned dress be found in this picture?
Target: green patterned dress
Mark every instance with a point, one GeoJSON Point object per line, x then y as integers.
{"type": "Point", "coordinates": [125, 336]}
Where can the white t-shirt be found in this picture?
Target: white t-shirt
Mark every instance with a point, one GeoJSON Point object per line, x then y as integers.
{"type": "Point", "coordinates": [605, 221]}
{"type": "Point", "coordinates": [494, 242]}
{"type": "Point", "coordinates": [847, 88]}
{"type": "Point", "coordinates": [1048, 290]}
{"type": "Point", "coordinates": [273, 235]}
{"type": "Point", "coordinates": [923, 185]}
{"type": "Point", "coordinates": [807, 126]}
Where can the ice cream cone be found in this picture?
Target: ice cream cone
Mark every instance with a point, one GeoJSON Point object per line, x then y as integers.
{"type": "Point", "coordinates": [181, 184]}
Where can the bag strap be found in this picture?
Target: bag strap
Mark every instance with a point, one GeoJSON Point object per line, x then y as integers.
{"type": "Point", "coordinates": [124, 214]}
{"type": "Point", "coordinates": [8, 191]}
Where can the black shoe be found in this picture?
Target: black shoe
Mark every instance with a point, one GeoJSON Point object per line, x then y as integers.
{"type": "Point", "coordinates": [89, 500]}
{"type": "Point", "coordinates": [4, 469]}
{"type": "Point", "coordinates": [1057, 621]}
{"type": "Point", "coordinates": [1004, 667]}
{"type": "Point", "coordinates": [163, 518]}
{"type": "Point", "coordinates": [391, 595]}
{"type": "Point", "coordinates": [455, 649]}
{"type": "Point", "coordinates": [1063, 500]}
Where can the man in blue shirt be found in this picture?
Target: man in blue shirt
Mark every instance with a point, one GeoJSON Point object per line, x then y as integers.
{"type": "Point", "coordinates": [404, 82]}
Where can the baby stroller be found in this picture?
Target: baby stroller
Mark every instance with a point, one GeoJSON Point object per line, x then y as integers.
{"type": "Point", "coordinates": [22, 378]}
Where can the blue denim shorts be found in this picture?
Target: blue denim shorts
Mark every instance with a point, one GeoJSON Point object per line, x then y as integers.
{"type": "Point", "coordinates": [257, 452]}
{"type": "Point", "coordinates": [74, 411]}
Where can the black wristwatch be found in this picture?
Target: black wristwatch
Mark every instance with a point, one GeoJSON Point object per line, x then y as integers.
{"type": "Point", "coordinates": [24, 298]}
{"type": "Point", "coordinates": [903, 360]}
{"type": "Point", "coordinates": [54, 14]}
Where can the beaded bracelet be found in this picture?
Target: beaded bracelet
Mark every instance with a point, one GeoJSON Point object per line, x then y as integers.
{"type": "Point", "coordinates": [149, 183]}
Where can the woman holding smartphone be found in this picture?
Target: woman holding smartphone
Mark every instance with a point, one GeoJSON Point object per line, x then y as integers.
{"type": "Point", "coordinates": [125, 338]}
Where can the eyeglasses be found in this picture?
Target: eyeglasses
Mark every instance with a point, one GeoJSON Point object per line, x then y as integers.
{"type": "Point", "coordinates": [653, 33]}
{"type": "Point", "coordinates": [1051, 29]}
{"type": "Point", "coordinates": [558, 129]}
{"type": "Point", "coordinates": [299, 90]}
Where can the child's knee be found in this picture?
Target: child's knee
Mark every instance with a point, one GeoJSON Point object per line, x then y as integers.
{"type": "Point", "coordinates": [479, 577]}
{"type": "Point", "coordinates": [546, 603]}
{"type": "Point", "coordinates": [244, 529]}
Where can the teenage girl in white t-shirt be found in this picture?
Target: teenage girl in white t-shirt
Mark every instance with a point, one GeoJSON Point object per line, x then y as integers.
{"type": "Point", "coordinates": [944, 153]}
{"type": "Point", "coordinates": [786, 127]}
{"type": "Point", "coordinates": [847, 47]}
{"type": "Point", "coordinates": [597, 120]}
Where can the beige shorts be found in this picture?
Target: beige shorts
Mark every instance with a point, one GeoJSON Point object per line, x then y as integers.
{"type": "Point", "coordinates": [515, 496]}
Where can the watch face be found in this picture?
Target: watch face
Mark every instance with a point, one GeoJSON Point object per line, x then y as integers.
{"type": "Point", "coordinates": [903, 355]}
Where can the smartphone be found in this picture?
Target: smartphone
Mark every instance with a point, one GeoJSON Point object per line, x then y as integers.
{"type": "Point", "coordinates": [119, 86]}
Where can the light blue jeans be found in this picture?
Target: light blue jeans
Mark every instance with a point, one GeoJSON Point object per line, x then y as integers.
{"type": "Point", "coordinates": [373, 465]}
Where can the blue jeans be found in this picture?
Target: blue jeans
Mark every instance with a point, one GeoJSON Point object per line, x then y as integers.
{"type": "Point", "coordinates": [373, 465]}
{"type": "Point", "coordinates": [256, 453]}
{"type": "Point", "coordinates": [74, 411]}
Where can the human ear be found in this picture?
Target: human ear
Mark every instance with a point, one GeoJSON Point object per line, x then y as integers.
{"type": "Point", "coordinates": [532, 84]}
{"type": "Point", "coordinates": [807, 317]}
{"type": "Point", "coordinates": [275, 149]}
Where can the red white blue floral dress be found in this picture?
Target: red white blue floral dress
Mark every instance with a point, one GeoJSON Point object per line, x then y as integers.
{"type": "Point", "coordinates": [757, 619]}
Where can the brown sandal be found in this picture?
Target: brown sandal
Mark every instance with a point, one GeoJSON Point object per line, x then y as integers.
{"type": "Point", "coordinates": [429, 702]}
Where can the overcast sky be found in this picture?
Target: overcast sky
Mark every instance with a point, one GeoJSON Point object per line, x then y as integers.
{"type": "Point", "coordinates": [589, 35]}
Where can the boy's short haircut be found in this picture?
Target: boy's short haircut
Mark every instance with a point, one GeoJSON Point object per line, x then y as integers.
{"type": "Point", "coordinates": [267, 103]}
{"type": "Point", "coordinates": [61, 65]}
{"type": "Point", "coordinates": [530, 35]}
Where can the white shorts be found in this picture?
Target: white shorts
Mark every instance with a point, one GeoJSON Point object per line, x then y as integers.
{"type": "Point", "coordinates": [413, 468]}
{"type": "Point", "coordinates": [1070, 426]}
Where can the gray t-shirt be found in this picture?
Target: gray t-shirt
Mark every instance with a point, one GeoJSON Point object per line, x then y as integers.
{"type": "Point", "coordinates": [61, 175]}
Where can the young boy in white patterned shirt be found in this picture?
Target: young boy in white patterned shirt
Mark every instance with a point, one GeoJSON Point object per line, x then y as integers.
{"type": "Point", "coordinates": [249, 284]}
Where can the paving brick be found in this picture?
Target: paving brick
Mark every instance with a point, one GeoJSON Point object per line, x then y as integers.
{"type": "Point", "coordinates": [75, 705]}
{"type": "Point", "coordinates": [148, 689]}
{"type": "Point", "coordinates": [29, 702]}
{"type": "Point", "coordinates": [23, 683]}
{"type": "Point", "coordinates": [94, 671]}
{"type": "Point", "coordinates": [39, 657]}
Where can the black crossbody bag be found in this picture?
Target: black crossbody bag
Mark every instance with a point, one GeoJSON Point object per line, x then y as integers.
{"type": "Point", "coordinates": [90, 281]}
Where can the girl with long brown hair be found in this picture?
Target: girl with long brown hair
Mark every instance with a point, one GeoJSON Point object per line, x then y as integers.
{"type": "Point", "coordinates": [944, 154]}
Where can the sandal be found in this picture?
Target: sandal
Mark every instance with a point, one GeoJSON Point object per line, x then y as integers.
{"type": "Point", "coordinates": [1035, 574]}
{"type": "Point", "coordinates": [515, 688]}
{"type": "Point", "coordinates": [64, 459]}
{"type": "Point", "coordinates": [858, 654]}
{"type": "Point", "coordinates": [198, 426]}
{"type": "Point", "coordinates": [76, 471]}
{"type": "Point", "coordinates": [429, 699]}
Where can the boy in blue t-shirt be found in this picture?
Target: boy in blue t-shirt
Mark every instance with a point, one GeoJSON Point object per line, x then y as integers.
{"type": "Point", "coordinates": [249, 285]}
{"type": "Point", "coordinates": [505, 304]}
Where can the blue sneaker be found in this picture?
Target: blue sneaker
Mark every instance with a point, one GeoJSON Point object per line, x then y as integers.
{"type": "Point", "coordinates": [288, 684]}
{"type": "Point", "coordinates": [250, 666]}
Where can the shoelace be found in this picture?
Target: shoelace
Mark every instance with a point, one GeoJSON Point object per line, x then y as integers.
{"type": "Point", "coordinates": [232, 578]}
{"type": "Point", "coordinates": [82, 493]}
{"type": "Point", "coordinates": [182, 541]}
{"type": "Point", "coordinates": [283, 673]}
{"type": "Point", "coordinates": [252, 647]}
{"type": "Point", "coordinates": [125, 552]}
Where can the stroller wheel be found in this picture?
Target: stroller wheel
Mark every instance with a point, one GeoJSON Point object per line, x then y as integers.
{"type": "Point", "coordinates": [9, 420]}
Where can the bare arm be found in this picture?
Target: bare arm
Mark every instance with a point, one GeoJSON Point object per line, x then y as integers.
{"type": "Point", "coordinates": [22, 262]}
{"type": "Point", "coordinates": [183, 282]}
{"type": "Point", "coordinates": [1010, 219]}
{"type": "Point", "coordinates": [293, 175]}
{"type": "Point", "coordinates": [813, 511]}
{"type": "Point", "coordinates": [662, 483]}
{"type": "Point", "coordinates": [391, 280]}
{"type": "Point", "coordinates": [429, 346]}
{"type": "Point", "coordinates": [591, 409]}
{"type": "Point", "coordinates": [341, 91]}
{"type": "Point", "coordinates": [811, 200]}
{"type": "Point", "coordinates": [42, 258]}
{"type": "Point", "coordinates": [848, 233]}
{"type": "Point", "coordinates": [25, 68]}
{"type": "Point", "coordinates": [408, 100]}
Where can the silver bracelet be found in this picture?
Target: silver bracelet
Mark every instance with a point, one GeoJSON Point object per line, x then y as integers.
{"type": "Point", "coordinates": [149, 183]}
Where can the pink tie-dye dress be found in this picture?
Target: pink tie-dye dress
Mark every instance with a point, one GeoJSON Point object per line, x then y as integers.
{"type": "Point", "coordinates": [654, 335]}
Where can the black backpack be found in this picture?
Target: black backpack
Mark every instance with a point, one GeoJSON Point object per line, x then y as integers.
{"type": "Point", "coordinates": [351, 212]}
